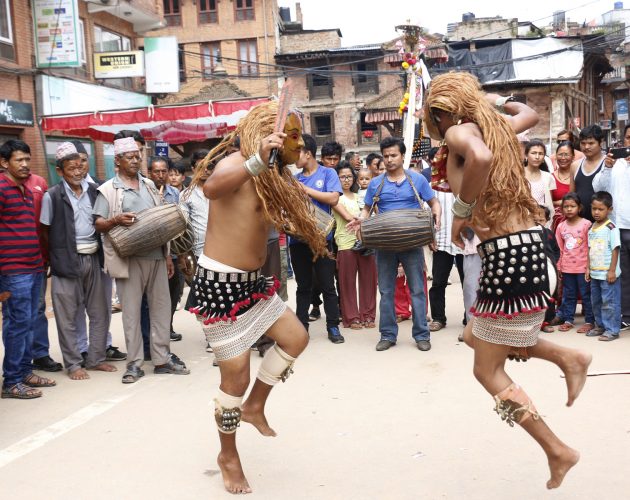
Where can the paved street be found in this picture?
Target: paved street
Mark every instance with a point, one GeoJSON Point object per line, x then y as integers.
{"type": "Point", "coordinates": [352, 423]}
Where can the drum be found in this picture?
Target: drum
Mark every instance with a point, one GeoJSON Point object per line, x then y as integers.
{"type": "Point", "coordinates": [398, 230]}
{"type": "Point", "coordinates": [153, 228]}
{"type": "Point", "coordinates": [184, 243]}
{"type": "Point", "coordinates": [325, 221]}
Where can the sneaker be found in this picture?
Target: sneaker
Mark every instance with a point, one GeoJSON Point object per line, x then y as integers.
{"type": "Point", "coordinates": [114, 354]}
{"type": "Point", "coordinates": [334, 335]}
{"type": "Point", "coordinates": [171, 368]}
{"type": "Point", "coordinates": [209, 347]}
{"type": "Point", "coordinates": [424, 345]}
{"type": "Point", "coordinates": [315, 314]}
{"type": "Point", "coordinates": [384, 344]}
{"type": "Point", "coordinates": [624, 326]}
{"type": "Point", "coordinates": [176, 337]}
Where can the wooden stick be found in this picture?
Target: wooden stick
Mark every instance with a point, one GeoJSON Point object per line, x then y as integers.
{"type": "Point", "coordinates": [611, 372]}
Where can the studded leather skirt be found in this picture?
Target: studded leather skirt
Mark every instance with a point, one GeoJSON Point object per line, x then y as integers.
{"type": "Point", "coordinates": [514, 276]}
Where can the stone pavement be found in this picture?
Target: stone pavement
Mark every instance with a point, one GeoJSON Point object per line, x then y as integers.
{"type": "Point", "coordinates": [352, 423]}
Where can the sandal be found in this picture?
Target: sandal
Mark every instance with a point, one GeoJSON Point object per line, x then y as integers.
{"type": "Point", "coordinates": [557, 321]}
{"type": "Point", "coordinates": [369, 324]}
{"type": "Point", "coordinates": [20, 391]}
{"type": "Point", "coordinates": [356, 326]}
{"type": "Point", "coordinates": [436, 326]}
{"type": "Point", "coordinates": [36, 381]}
{"type": "Point", "coordinates": [585, 328]}
{"type": "Point", "coordinates": [133, 374]}
{"type": "Point", "coordinates": [566, 326]}
{"type": "Point", "coordinates": [547, 328]}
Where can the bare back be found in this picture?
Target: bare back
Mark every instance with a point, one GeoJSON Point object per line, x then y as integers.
{"type": "Point", "coordinates": [467, 133]}
{"type": "Point", "coordinates": [237, 231]}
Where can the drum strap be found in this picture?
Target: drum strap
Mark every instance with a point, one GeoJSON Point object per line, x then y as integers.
{"type": "Point", "coordinates": [376, 198]}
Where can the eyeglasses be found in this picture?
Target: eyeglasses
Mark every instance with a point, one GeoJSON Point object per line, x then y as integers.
{"type": "Point", "coordinates": [345, 177]}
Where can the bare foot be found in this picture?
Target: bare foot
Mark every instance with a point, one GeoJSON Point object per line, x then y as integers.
{"type": "Point", "coordinates": [79, 374]}
{"type": "Point", "coordinates": [575, 372]}
{"type": "Point", "coordinates": [104, 367]}
{"type": "Point", "coordinates": [232, 472]}
{"type": "Point", "coordinates": [258, 420]}
{"type": "Point", "coordinates": [560, 465]}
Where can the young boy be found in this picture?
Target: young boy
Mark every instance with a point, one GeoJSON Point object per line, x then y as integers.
{"type": "Point", "coordinates": [603, 269]}
{"type": "Point", "coordinates": [176, 176]}
{"type": "Point", "coordinates": [364, 178]}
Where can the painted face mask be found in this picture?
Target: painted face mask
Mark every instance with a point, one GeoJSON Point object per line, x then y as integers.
{"type": "Point", "coordinates": [293, 143]}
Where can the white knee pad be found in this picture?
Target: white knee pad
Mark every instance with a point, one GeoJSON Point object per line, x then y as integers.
{"type": "Point", "coordinates": [277, 365]}
{"type": "Point", "coordinates": [227, 412]}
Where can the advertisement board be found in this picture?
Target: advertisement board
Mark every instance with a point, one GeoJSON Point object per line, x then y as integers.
{"type": "Point", "coordinates": [161, 64]}
{"type": "Point", "coordinates": [56, 31]}
{"type": "Point", "coordinates": [119, 64]}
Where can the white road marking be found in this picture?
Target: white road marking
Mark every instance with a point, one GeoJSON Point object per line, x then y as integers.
{"type": "Point", "coordinates": [39, 439]}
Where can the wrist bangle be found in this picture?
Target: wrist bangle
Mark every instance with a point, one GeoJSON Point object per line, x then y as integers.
{"type": "Point", "coordinates": [254, 165]}
{"type": "Point", "coordinates": [462, 209]}
{"type": "Point", "coordinates": [500, 102]}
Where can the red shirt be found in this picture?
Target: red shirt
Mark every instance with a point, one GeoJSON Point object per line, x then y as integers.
{"type": "Point", "coordinates": [19, 243]}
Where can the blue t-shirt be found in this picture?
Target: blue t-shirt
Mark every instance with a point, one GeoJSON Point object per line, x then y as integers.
{"type": "Point", "coordinates": [397, 195]}
{"type": "Point", "coordinates": [601, 243]}
{"type": "Point", "coordinates": [324, 179]}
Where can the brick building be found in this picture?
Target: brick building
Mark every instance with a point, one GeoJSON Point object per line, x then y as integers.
{"type": "Point", "coordinates": [217, 36]}
{"type": "Point", "coordinates": [106, 26]}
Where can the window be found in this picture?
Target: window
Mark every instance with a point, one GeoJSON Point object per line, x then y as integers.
{"type": "Point", "coordinates": [172, 15]}
{"type": "Point", "coordinates": [319, 86]}
{"type": "Point", "coordinates": [244, 10]}
{"type": "Point", "coordinates": [81, 36]}
{"type": "Point", "coordinates": [365, 79]}
{"type": "Point", "coordinates": [181, 57]}
{"type": "Point", "coordinates": [368, 132]}
{"type": "Point", "coordinates": [248, 58]}
{"type": "Point", "coordinates": [108, 41]}
{"type": "Point", "coordinates": [7, 49]}
{"type": "Point", "coordinates": [207, 11]}
{"type": "Point", "coordinates": [322, 128]}
{"type": "Point", "coordinates": [210, 55]}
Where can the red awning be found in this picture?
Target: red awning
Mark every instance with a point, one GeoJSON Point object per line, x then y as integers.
{"type": "Point", "coordinates": [175, 123]}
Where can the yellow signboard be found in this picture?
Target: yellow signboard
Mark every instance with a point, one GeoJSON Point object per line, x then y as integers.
{"type": "Point", "coordinates": [119, 64]}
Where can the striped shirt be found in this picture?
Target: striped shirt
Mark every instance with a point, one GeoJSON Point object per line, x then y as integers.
{"type": "Point", "coordinates": [443, 236]}
{"type": "Point", "coordinates": [19, 243]}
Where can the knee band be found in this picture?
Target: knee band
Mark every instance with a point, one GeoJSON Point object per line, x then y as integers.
{"type": "Point", "coordinates": [277, 365]}
{"type": "Point", "coordinates": [227, 412]}
{"type": "Point", "coordinates": [518, 354]}
{"type": "Point", "coordinates": [513, 405]}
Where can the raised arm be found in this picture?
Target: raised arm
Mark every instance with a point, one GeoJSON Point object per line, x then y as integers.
{"type": "Point", "coordinates": [520, 115]}
{"type": "Point", "coordinates": [235, 170]}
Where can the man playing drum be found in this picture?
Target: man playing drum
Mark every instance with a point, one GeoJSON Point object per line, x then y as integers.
{"type": "Point", "coordinates": [236, 304]}
{"type": "Point", "coordinates": [396, 192]}
{"type": "Point", "coordinates": [118, 201]}
{"type": "Point", "coordinates": [493, 197]}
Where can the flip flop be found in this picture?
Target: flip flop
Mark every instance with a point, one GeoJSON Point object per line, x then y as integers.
{"type": "Point", "coordinates": [565, 327]}
{"type": "Point", "coordinates": [586, 327]}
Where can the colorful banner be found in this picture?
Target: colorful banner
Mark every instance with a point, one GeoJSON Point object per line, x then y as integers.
{"type": "Point", "coordinates": [56, 31]}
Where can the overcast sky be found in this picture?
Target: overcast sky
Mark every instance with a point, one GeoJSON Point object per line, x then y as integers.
{"type": "Point", "coordinates": [373, 21]}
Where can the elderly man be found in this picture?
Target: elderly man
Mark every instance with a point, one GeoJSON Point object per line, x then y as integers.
{"type": "Point", "coordinates": [76, 256]}
{"type": "Point", "coordinates": [118, 202]}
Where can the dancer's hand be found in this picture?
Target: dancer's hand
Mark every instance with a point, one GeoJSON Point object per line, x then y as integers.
{"type": "Point", "coordinates": [269, 143]}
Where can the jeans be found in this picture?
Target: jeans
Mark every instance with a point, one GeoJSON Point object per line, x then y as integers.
{"type": "Point", "coordinates": [442, 265]}
{"type": "Point", "coordinates": [571, 283]}
{"type": "Point", "coordinates": [19, 314]}
{"type": "Point", "coordinates": [387, 268]}
{"type": "Point", "coordinates": [606, 299]}
{"type": "Point", "coordinates": [324, 269]}
{"type": "Point", "coordinates": [41, 344]}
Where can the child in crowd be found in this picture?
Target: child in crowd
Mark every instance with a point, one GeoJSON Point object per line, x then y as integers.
{"type": "Point", "coordinates": [365, 176]}
{"type": "Point", "coordinates": [603, 270]}
{"type": "Point", "coordinates": [354, 314]}
{"type": "Point", "coordinates": [176, 176]}
{"type": "Point", "coordinates": [552, 251]}
{"type": "Point", "coordinates": [572, 238]}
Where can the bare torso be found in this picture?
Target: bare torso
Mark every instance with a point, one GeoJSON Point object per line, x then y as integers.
{"type": "Point", "coordinates": [455, 174]}
{"type": "Point", "coordinates": [237, 232]}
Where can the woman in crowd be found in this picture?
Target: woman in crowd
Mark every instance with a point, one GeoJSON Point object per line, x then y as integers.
{"type": "Point", "coordinates": [354, 315]}
{"type": "Point", "coordinates": [537, 173]}
{"type": "Point", "coordinates": [564, 174]}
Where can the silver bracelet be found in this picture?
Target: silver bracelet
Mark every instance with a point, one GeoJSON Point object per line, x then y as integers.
{"type": "Point", "coordinates": [499, 104]}
{"type": "Point", "coordinates": [462, 209]}
{"type": "Point", "coordinates": [254, 165]}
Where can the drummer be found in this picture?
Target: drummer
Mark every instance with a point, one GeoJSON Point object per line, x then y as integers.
{"type": "Point", "coordinates": [118, 201]}
{"type": "Point", "coordinates": [397, 193]}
